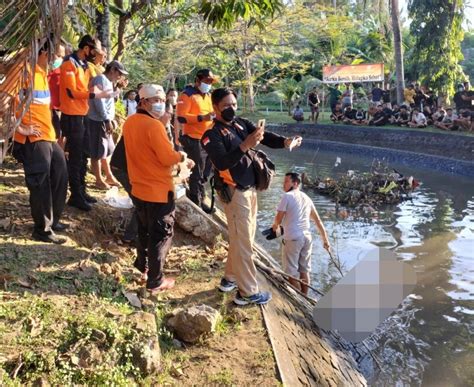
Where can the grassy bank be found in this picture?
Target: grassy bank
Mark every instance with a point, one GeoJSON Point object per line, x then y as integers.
{"type": "Point", "coordinates": [65, 318]}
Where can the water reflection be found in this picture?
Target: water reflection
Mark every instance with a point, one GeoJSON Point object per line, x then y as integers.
{"type": "Point", "coordinates": [427, 341]}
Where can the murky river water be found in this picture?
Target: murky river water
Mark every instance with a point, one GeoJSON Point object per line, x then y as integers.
{"type": "Point", "coordinates": [428, 340]}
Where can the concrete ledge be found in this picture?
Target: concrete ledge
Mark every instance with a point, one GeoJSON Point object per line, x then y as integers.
{"type": "Point", "coordinates": [445, 152]}
{"type": "Point", "coordinates": [459, 146]}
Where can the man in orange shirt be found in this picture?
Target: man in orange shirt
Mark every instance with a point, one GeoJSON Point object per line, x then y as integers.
{"type": "Point", "coordinates": [74, 95]}
{"type": "Point", "coordinates": [43, 160]}
{"type": "Point", "coordinates": [150, 160]}
{"type": "Point", "coordinates": [195, 113]}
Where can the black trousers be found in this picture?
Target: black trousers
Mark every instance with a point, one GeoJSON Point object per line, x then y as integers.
{"type": "Point", "coordinates": [46, 178]}
{"type": "Point", "coordinates": [201, 170]}
{"type": "Point", "coordinates": [76, 131]}
{"type": "Point", "coordinates": [155, 235]}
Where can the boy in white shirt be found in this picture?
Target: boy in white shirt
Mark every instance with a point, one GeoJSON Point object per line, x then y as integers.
{"type": "Point", "coordinates": [294, 213]}
{"type": "Point", "coordinates": [418, 119]}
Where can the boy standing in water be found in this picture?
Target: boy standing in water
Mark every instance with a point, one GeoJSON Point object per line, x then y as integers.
{"type": "Point", "coordinates": [294, 212]}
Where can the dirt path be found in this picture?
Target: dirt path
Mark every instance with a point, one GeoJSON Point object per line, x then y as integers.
{"type": "Point", "coordinates": [64, 318]}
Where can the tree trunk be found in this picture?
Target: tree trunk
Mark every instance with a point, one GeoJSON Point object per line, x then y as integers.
{"type": "Point", "coordinates": [249, 82]}
{"type": "Point", "coordinates": [103, 24]}
{"type": "Point", "coordinates": [397, 44]}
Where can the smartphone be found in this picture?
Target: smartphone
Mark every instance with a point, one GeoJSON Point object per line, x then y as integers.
{"type": "Point", "coordinates": [261, 123]}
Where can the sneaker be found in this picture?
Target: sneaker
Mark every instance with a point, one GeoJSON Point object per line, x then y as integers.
{"type": "Point", "coordinates": [49, 238]}
{"type": "Point", "coordinates": [227, 286]}
{"type": "Point", "coordinates": [261, 298]}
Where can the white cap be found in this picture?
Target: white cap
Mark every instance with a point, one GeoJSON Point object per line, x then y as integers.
{"type": "Point", "coordinates": [150, 91]}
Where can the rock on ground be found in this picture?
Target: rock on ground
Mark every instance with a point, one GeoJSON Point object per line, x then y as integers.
{"type": "Point", "coordinates": [190, 324]}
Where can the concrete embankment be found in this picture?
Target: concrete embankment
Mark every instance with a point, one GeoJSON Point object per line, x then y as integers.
{"type": "Point", "coordinates": [446, 152]}
{"type": "Point", "coordinates": [305, 354]}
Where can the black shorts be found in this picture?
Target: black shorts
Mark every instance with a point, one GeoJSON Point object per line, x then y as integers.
{"type": "Point", "coordinates": [101, 143]}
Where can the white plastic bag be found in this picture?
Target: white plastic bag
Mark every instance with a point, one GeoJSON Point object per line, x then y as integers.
{"type": "Point", "coordinates": [114, 199]}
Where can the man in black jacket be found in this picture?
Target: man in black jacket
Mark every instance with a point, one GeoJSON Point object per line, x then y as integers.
{"type": "Point", "coordinates": [227, 143]}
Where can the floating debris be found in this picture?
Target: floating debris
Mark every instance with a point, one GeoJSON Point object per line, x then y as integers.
{"type": "Point", "coordinates": [381, 185]}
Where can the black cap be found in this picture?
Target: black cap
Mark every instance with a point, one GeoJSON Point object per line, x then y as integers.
{"type": "Point", "coordinates": [206, 73]}
{"type": "Point", "coordinates": [115, 64]}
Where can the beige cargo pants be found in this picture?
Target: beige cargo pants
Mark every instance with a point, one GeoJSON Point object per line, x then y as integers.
{"type": "Point", "coordinates": [241, 215]}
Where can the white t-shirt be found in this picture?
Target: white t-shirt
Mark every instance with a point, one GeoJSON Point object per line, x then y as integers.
{"type": "Point", "coordinates": [130, 106]}
{"type": "Point", "coordinates": [419, 118]}
{"type": "Point", "coordinates": [297, 207]}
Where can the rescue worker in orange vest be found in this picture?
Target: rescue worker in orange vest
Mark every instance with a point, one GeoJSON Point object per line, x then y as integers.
{"type": "Point", "coordinates": [43, 159]}
{"type": "Point", "coordinates": [150, 159]}
{"type": "Point", "coordinates": [74, 95]}
{"type": "Point", "coordinates": [195, 113]}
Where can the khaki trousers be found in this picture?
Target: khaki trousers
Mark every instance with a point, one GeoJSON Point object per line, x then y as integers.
{"type": "Point", "coordinates": [241, 215]}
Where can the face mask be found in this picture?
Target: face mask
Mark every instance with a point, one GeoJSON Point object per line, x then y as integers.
{"type": "Point", "coordinates": [57, 63]}
{"type": "Point", "coordinates": [228, 114]}
{"type": "Point", "coordinates": [158, 109]}
{"type": "Point", "coordinates": [172, 100]}
{"type": "Point", "coordinates": [205, 88]}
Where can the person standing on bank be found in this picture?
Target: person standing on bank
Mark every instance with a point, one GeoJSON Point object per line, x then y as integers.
{"type": "Point", "coordinates": [150, 158]}
{"type": "Point", "coordinates": [227, 143]}
{"type": "Point", "coordinates": [295, 211]}
{"type": "Point", "coordinates": [195, 113]}
{"type": "Point", "coordinates": [43, 159]}
{"type": "Point", "coordinates": [313, 101]}
{"type": "Point", "coordinates": [101, 117]}
{"type": "Point", "coordinates": [74, 95]}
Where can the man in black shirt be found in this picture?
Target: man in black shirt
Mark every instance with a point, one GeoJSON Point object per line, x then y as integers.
{"type": "Point", "coordinates": [468, 97]}
{"type": "Point", "coordinates": [419, 97]}
{"type": "Point", "coordinates": [359, 117]}
{"type": "Point", "coordinates": [403, 117]}
{"type": "Point", "coordinates": [229, 145]}
{"type": "Point", "coordinates": [349, 114]}
{"type": "Point", "coordinates": [379, 118]}
{"type": "Point", "coordinates": [458, 98]}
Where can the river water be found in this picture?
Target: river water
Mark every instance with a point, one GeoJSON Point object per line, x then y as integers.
{"type": "Point", "coordinates": [427, 341]}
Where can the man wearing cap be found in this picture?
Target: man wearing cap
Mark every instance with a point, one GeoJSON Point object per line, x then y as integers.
{"type": "Point", "coordinates": [73, 96]}
{"type": "Point", "coordinates": [101, 116]}
{"type": "Point", "coordinates": [150, 159]}
{"type": "Point", "coordinates": [195, 113]}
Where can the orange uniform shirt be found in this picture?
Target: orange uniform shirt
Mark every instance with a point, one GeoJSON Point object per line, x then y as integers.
{"type": "Point", "coordinates": [74, 86]}
{"type": "Point", "coordinates": [150, 157]}
{"type": "Point", "coordinates": [192, 105]}
{"type": "Point", "coordinates": [39, 112]}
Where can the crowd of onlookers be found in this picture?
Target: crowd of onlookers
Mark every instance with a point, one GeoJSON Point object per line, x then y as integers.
{"type": "Point", "coordinates": [419, 110]}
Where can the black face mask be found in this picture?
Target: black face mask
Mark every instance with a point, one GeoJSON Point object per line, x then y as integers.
{"type": "Point", "coordinates": [228, 114]}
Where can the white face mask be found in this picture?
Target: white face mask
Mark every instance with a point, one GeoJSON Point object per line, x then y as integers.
{"type": "Point", "coordinates": [157, 109]}
{"type": "Point", "coordinates": [172, 100]}
{"type": "Point", "coordinates": [205, 87]}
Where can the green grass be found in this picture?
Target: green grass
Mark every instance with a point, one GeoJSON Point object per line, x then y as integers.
{"type": "Point", "coordinates": [276, 117]}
